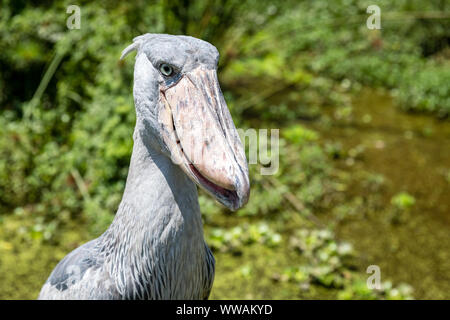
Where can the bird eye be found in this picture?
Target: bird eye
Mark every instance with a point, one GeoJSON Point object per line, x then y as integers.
{"type": "Point", "coordinates": [166, 70]}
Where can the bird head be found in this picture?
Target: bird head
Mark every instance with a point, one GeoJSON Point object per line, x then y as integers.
{"type": "Point", "coordinates": [178, 98]}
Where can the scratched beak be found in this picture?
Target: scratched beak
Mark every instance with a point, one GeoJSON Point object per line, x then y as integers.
{"type": "Point", "coordinates": [202, 138]}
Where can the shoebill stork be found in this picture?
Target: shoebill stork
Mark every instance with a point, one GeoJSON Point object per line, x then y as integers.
{"type": "Point", "coordinates": [184, 136]}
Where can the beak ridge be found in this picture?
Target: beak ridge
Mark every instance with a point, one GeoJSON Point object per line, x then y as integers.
{"type": "Point", "coordinates": [207, 141]}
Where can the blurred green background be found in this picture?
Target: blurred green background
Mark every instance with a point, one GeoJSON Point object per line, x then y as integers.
{"type": "Point", "coordinates": [364, 175]}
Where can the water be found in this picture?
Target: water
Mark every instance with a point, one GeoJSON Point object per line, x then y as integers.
{"type": "Point", "coordinates": [412, 153]}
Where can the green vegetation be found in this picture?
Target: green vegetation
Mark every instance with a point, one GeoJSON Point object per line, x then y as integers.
{"type": "Point", "coordinates": [359, 177]}
{"type": "Point", "coordinates": [402, 203]}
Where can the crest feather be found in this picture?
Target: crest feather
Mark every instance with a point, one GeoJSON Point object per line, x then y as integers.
{"type": "Point", "coordinates": [127, 50]}
{"type": "Point", "coordinates": [135, 45]}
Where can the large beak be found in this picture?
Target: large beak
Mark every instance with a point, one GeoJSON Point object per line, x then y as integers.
{"type": "Point", "coordinates": [201, 136]}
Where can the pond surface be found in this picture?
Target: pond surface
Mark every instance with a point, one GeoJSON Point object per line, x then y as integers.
{"type": "Point", "coordinates": [412, 154]}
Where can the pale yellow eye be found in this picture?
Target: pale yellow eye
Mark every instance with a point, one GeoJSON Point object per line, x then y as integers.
{"type": "Point", "coordinates": [166, 69]}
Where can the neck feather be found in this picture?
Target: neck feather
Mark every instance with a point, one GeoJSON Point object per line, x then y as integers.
{"type": "Point", "coordinates": [159, 216]}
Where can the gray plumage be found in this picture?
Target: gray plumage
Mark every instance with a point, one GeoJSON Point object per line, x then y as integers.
{"type": "Point", "coordinates": [154, 248]}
